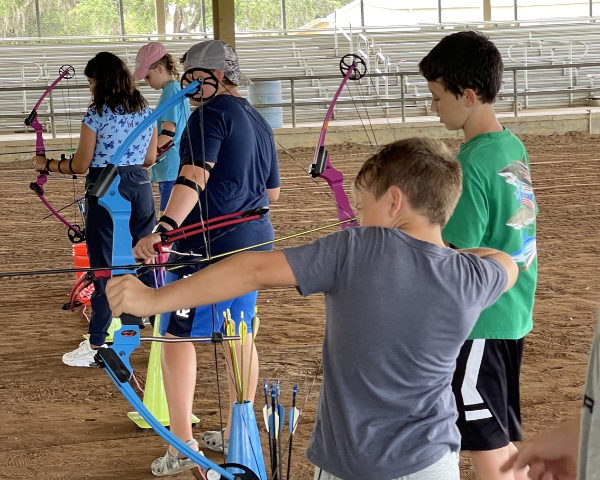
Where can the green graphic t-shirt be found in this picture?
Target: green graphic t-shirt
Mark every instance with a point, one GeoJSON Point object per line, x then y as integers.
{"type": "Point", "coordinates": [497, 209]}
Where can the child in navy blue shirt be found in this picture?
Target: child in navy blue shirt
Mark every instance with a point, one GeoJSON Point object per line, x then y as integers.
{"type": "Point", "coordinates": [228, 164]}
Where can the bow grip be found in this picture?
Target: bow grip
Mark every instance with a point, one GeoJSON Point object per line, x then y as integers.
{"type": "Point", "coordinates": [127, 319]}
{"type": "Point", "coordinates": [98, 189]}
{"type": "Point", "coordinates": [319, 163]}
{"type": "Point", "coordinates": [108, 357]}
{"type": "Point", "coordinates": [30, 118]}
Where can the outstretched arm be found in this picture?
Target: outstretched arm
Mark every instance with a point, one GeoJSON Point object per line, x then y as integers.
{"type": "Point", "coordinates": [502, 258]}
{"type": "Point", "coordinates": [229, 278]}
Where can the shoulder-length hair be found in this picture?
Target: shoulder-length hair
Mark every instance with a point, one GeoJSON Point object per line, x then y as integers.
{"type": "Point", "coordinates": [113, 85]}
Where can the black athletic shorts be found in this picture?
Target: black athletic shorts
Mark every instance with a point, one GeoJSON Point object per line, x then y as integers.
{"type": "Point", "coordinates": [486, 388]}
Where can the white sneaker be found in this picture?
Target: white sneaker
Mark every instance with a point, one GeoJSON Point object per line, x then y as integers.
{"type": "Point", "coordinates": [83, 356]}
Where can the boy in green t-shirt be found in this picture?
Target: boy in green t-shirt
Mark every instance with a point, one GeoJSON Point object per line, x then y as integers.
{"type": "Point", "coordinates": [497, 209]}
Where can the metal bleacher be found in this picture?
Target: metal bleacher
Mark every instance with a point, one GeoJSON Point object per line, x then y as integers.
{"type": "Point", "coordinates": [307, 56]}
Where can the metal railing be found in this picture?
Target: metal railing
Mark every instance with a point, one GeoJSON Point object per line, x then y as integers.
{"type": "Point", "coordinates": [387, 102]}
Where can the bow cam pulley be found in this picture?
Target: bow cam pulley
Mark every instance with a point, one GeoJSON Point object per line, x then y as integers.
{"type": "Point", "coordinates": [208, 84]}
{"type": "Point", "coordinates": [66, 68]}
{"type": "Point", "coordinates": [356, 61]}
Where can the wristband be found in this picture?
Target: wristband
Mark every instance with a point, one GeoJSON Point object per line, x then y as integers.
{"type": "Point", "coordinates": [169, 221]}
{"type": "Point", "coordinates": [168, 133]}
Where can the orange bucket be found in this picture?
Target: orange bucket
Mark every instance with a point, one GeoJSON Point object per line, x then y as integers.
{"type": "Point", "coordinates": [81, 259]}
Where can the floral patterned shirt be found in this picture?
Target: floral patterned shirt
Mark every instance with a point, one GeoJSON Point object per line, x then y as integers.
{"type": "Point", "coordinates": [112, 128]}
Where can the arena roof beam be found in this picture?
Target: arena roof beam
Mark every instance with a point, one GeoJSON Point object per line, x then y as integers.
{"type": "Point", "coordinates": [224, 21]}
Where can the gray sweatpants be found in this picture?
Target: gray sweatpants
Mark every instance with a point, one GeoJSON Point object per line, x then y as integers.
{"type": "Point", "coordinates": [446, 468]}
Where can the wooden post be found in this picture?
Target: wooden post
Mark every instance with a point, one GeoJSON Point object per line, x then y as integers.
{"type": "Point", "coordinates": [161, 21]}
{"type": "Point", "coordinates": [487, 10]}
{"type": "Point", "coordinates": [224, 21]}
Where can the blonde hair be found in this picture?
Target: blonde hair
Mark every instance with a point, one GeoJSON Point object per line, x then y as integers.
{"type": "Point", "coordinates": [170, 65]}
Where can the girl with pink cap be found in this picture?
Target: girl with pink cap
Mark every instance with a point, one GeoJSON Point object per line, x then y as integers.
{"type": "Point", "coordinates": [158, 70]}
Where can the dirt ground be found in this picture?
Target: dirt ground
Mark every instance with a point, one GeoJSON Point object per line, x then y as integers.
{"type": "Point", "coordinates": [59, 422]}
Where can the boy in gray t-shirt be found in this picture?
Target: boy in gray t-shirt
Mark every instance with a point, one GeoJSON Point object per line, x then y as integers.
{"type": "Point", "coordinates": [399, 305]}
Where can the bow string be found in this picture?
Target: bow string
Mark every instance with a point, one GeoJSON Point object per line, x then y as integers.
{"type": "Point", "coordinates": [76, 233]}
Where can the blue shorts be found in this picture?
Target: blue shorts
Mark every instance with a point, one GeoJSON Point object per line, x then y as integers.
{"type": "Point", "coordinates": [165, 189]}
{"type": "Point", "coordinates": [202, 321]}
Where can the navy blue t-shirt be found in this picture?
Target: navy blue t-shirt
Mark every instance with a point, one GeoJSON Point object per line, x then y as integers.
{"type": "Point", "coordinates": [239, 141]}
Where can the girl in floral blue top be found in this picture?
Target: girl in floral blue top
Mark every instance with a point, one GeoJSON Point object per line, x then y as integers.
{"type": "Point", "coordinates": [117, 107]}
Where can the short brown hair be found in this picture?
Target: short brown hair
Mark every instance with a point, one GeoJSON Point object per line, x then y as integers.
{"type": "Point", "coordinates": [424, 169]}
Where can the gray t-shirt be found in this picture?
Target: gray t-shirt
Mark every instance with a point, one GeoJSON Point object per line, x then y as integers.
{"type": "Point", "coordinates": [397, 312]}
{"type": "Point", "coordinates": [589, 451]}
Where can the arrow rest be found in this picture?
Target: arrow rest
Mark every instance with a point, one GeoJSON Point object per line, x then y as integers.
{"type": "Point", "coordinates": [211, 81]}
{"type": "Point", "coordinates": [356, 61]}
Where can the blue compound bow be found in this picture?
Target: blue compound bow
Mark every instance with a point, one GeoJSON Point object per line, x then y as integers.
{"type": "Point", "coordinates": [115, 359]}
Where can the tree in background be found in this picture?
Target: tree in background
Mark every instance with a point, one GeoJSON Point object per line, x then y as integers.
{"type": "Point", "coordinates": [101, 17]}
{"type": "Point", "coordinates": [187, 16]}
{"type": "Point", "coordinates": [253, 14]}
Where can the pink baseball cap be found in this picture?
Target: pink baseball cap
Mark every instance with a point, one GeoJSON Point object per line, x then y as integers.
{"type": "Point", "coordinates": [147, 55]}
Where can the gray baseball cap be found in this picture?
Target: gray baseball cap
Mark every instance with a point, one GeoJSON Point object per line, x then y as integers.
{"type": "Point", "coordinates": [217, 55]}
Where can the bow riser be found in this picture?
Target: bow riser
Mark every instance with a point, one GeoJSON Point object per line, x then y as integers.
{"type": "Point", "coordinates": [335, 180]}
{"type": "Point", "coordinates": [321, 166]}
{"type": "Point", "coordinates": [120, 212]}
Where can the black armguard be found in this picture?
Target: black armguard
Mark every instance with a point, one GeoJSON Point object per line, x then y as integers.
{"type": "Point", "coordinates": [168, 133]}
{"type": "Point", "coordinates": [197, 163]}
{"type": "Point", "coordinates": [169, 221]}
{"type": "Point", "coordinates": [181, 180]}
